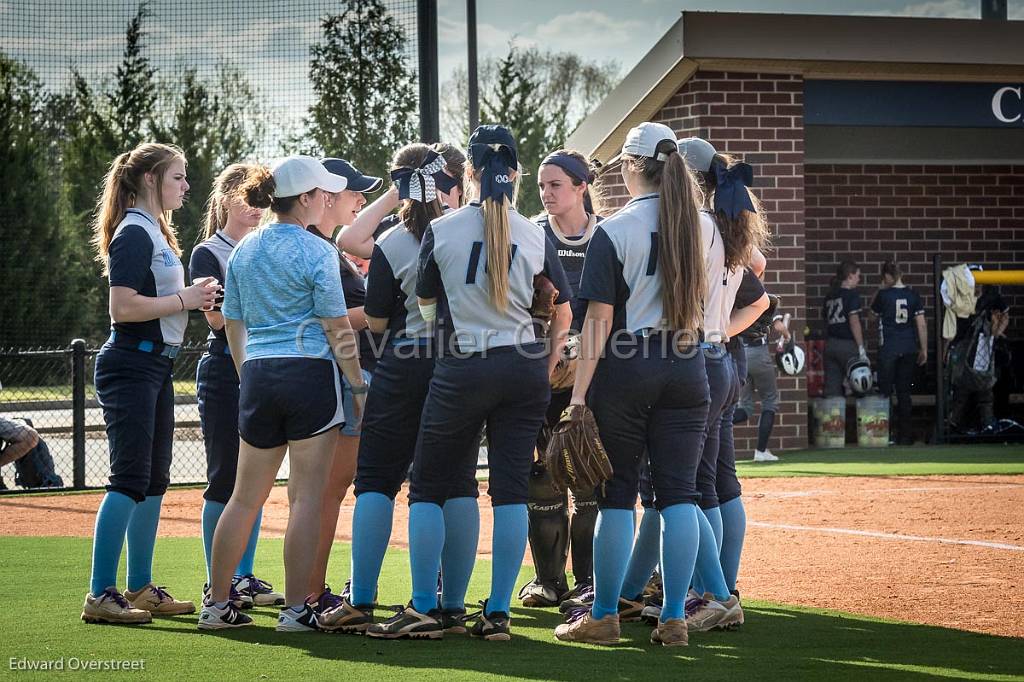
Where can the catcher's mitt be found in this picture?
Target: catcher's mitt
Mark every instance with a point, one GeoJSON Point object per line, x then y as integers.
{"type": "Point", "coordinates": [544, 295]}
{"type": "Point", "coordinates": [575, 455]}
{"type": "Point", "coordinates": [565, 371]}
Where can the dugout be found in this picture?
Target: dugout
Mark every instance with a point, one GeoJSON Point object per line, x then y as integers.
{"type": "Point", "coordinates": [871, 138]}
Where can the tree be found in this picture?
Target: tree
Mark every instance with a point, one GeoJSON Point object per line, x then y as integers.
{"type": "Point", "coordinates": [541, 95]}
{"type": "Point", "coordinates": [365, 104]}
{"type": "Point", "coordinates": [43, 303]}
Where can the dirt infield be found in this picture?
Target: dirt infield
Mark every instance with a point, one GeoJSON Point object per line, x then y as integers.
{"type": "Point", "coordinates": [940, 550]}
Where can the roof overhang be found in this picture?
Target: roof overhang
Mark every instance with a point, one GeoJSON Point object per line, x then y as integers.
{"type": "Point", "coordinates": [813, 46]}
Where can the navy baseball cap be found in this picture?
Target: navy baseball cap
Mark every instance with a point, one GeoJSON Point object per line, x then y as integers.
{"type": "Point", "coordinates": [357, 182]}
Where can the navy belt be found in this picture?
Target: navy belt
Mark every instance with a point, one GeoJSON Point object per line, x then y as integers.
{"type": "Point", "coordinates": [120, 340]}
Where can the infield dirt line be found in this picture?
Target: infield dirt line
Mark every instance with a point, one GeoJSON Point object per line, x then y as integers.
{"type": "Point", "coordinates": [887, 536]}
{"type": "Point", "coordinates": [932, 489]}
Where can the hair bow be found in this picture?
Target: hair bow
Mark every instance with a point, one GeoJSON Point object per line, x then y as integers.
{"type": "Point", "coordinates": [731, 195]}
{"type": "Point", "coordinates": [422, 183]}
{"type": "Point", "coordinates": [495, 163]}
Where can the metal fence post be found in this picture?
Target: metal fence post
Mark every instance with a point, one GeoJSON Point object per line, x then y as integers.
{"type": "Point", "coordinates": [940, 376]}
{"type": "Point", "coordinates": [78, 411]}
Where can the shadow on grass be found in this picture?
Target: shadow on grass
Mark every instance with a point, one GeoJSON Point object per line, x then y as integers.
{"type": "Point", "coordinates": [776, 641]}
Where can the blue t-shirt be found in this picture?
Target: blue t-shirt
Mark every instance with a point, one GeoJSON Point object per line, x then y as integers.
{"type": "Point", "coordinates": [839, 304]}
{"type": "Point", "coordinates": [281, 280]}
{"type": "Point", "coordinates": [896, 308]}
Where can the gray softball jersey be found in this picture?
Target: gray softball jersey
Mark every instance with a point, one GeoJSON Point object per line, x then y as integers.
{"type": "Point", "coordinates": [453, 259]}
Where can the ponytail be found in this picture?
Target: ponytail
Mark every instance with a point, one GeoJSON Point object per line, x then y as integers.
{"type": "Point", "coordinates": [892, 270]}
{"type": "Point", "coordinates": [226, 186]}
{"type": "Point", "coordinates": [680, 251]}
{"type": "Point", "coordinates": [498, 237]}
{"type": "Point", "coordinates": [121, 186]}
{"type": "Point", "coordinates": [416, 215]}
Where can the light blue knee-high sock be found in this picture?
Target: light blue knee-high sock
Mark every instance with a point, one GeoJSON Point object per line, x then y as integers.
{"type": "Point", "coordinates": [112, 520]}
{"type": "Point", "coordinates": [709, 567]}
{"type": "Point", "coordinates": [613, 538]}
{"type": "Point", "coordinates": [680, 531]}
{"type": "Point", "coordinates": [715, 519]}
{"type": "Point", "coordinates": [211, 515]}
{"type": "Point", "coordinates": [508, 544]}
{"type": "Point", "coordinates": [734, 526]}
{"type": "Point", "coordinates": [461, 533]}
{"type": "Point", "coordinates": [426, 541]}
{"type": "Point", "coordinates": [645, 556]}
{"type": "Point", "coordinates": [141, 537]}
{"type": "Point", "coordinates": [371, 531]}
{"type": "Point", "coordinates": [245, 565]}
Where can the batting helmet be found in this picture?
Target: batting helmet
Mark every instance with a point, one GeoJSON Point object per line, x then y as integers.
{"type": "Point", "coordinates": [790, 359]}
{"type": "Point", "coordinates": [858, 375]}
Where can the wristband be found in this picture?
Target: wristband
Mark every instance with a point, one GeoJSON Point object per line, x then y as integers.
{"type": "Point", "coordinates": [359, 390]}
{"type": "Point", "coordinates": [182, 301]}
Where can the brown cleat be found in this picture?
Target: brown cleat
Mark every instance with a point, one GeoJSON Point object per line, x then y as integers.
{"type": "Point", "coordinates": [158, 602]}
{"type": "Point", "coordinates": [672, 632]}
{"type": "Point", "coordinates": [112, 607]}
{"type": "Point", "coordinates": [588, 630]}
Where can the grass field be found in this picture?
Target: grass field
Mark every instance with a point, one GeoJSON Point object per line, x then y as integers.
{"type": "Point", "coordinates": [894, 461]}
{"type": "Point", "coordinates": [45, 580]}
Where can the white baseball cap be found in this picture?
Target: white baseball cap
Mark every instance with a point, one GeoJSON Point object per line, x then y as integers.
{"type": "Point", "coordinates": [643, 139]}
{"type": "Point", "coordinates": [697, 153]}
{"type": "Point", "coordinates": [295, 175]}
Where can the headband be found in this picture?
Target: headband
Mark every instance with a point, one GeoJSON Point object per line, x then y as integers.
{"type": "Point", "coordinates": [731, 195]}
{"type": "Point", "coordinates": [495, 162]}
{"type": "Point", "coordinates": [422, 183]}
{"type": "Point", "coordinates": [571, 165]}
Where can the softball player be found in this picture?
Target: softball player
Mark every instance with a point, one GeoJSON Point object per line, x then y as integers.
{"type": "Point", "coordinates": [844, 339]}
{"type": "Point", "coordinates": [730, 238]}
{"type": "Point", "coordinates": [395, 403]}
{"type": "Point", "coordinates": [342, 209]}
{"type": "Point", "coordinates": [228, 219]}
{"type": "Point", "coordinates": [148, 302]}
{"type": "Point", "coordinates": [644, 286]}
{"type": "Point", "coordinates": [902, 344]}
{"type": "Point", "coordinates": [485, 257]}
{"type": "Point", "coordinates": [564, 181]}
{"type": "Point", "coordinates": [760, 378]}
{"type": "Point", "coordinates": [284, 314]}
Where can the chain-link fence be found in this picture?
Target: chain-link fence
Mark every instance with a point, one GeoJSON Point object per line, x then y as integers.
{"type": "Point", "coordinates": [55, 390]}
{"type": "Point", "coordinates": [227, 81]}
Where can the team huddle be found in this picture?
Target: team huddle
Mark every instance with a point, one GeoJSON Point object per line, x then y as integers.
{"type": "Point", "coordinates": [385, 352]}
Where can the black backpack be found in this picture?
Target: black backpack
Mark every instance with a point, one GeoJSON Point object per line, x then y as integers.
{"type": "Point", "coordinates": [964, 352]}
{"type": "Point", "coordinates": [35, 469]}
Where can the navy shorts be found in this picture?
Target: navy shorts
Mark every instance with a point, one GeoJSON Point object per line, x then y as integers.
{"type": "Point", "coordinates": [505, 390]}
{"type": "Point", "coordinates": [727, 485]}
{"type": "Point", "coordinates": [720, 378]}
{"type": "Point", "coordinates": [217, 393]}
{"type": "Point", "coordinates": [648, 400]}
{"type": "Point", "coordinates": [285, 399]}
{"type": "Point", "coordinates": [137, 395]}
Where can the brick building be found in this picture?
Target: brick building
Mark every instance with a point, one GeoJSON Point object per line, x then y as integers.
{"type": "Point", "coordinates": [871, 138]}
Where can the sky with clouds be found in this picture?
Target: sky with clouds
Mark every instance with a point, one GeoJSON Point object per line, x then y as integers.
{"type": "Point", "coordinates": [268, 40]}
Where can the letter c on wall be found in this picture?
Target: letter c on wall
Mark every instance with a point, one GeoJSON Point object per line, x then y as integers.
{"type": "Point", "coordinates": [997, 103]}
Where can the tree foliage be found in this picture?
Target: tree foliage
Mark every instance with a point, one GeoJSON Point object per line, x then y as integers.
{"type": "Point", "coordinates": [365, 92]}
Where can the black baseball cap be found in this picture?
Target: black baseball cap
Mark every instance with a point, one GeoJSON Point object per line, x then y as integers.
{"type": "Point", "coordinates": [357, 182]}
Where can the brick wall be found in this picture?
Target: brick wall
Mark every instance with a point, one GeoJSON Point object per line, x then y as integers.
{"type": "Point", "coordinates": [869, 213]}
{"type": "Point", "coordinates": [758, 117]}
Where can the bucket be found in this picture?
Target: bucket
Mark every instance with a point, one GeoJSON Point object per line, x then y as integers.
{"type": "Point", "coordinates": [829, 422]}
{"type": "Point", "coordinates": [873, 421]}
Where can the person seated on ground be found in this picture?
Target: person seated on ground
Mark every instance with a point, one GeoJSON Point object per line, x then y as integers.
{"type": "Point", "coordinates": [16, 440]}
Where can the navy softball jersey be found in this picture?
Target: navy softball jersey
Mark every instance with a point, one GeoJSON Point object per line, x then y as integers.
{"type": "Point", "coordinates": [839, 304]}
{"type": "Point", "coordinates": [453, 260]}
{"type": "Point", "coordinates": [141, 259]}
{"type": "Point", "coordinates": [391, 285]}
{"type": "Point", "coordinates": [210, 259]}
{"type": "Point", "coordinates": [896, 308]}
{"type": "Point", "coordinates": [572, 251]}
